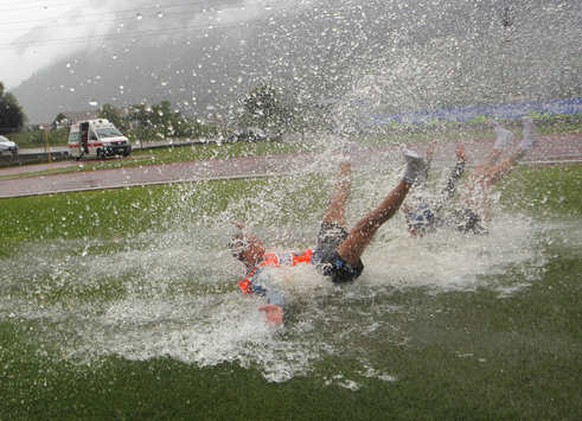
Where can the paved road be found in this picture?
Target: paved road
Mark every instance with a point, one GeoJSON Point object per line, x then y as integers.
{"type": "Point", "coordinates": [554, 149]}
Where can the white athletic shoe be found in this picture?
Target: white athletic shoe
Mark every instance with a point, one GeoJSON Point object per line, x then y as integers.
{"type": "Point", "coordinates": [415, 166]}
{"type": "Point", "coordinates": [503, 139]}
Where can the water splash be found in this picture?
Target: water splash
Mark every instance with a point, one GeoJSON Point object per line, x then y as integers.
{"type": "Point", "coordinates": [171, 291]}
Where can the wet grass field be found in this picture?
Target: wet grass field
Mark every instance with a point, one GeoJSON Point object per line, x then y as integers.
{"type": "Point", "coordinates": [121, 305]}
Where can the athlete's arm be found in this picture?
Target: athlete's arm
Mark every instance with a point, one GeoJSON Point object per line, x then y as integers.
{"type": "Point", "coordinates": [449, 190]}
{"type": "Point", "coordinates": [274, 309]}
{"type": "Point", "coordinates": [274, 314]}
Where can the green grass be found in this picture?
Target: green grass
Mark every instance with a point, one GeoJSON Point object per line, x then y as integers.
{"type": "Point", "coordinates": [127, 212]}
{"type": "Point", "coordinates": [102, 214]}
{"type": "Point", "coordinates": [545, 191]}
{"type": "Point", "coordinates": [215, 151]}
{"type": "Point", "coordinates": [471, 355]}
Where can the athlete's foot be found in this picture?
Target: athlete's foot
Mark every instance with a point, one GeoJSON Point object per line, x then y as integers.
{"type": "Point", "coordinates": [503, 137]}
{"type": "Point", "coordinates": [415, 166]}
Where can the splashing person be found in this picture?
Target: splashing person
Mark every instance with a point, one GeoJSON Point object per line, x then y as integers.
{"type": "Point", "coordinates": [337, 254]}
{"type": "Point", "coordinates": [425, 217]}
{"type": "Point", "coordinates": [477, 195]}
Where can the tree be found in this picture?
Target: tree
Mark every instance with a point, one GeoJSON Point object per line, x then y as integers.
{"type": "Point", "coordinates": [165, 120]}
{"type": "Point", "coordinates": [114, 115]}
{"type": "Point", "coordinates": [264, 108]}
{"type": "Point", "coordinates": [12, 117]}
{"type": "Point", "coordinates": [160, 121]}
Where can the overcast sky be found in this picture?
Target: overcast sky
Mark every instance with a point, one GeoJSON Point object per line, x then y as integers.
{"type": "Point", "coordinates": [412, 54]}
{"type": "Point", "coordinates": [34, 33]}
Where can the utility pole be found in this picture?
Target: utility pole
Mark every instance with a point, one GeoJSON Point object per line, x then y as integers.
{"type": "Point", "coordinates": [507, 16]}
{"type": "Point", "coordinates": [47, 146]}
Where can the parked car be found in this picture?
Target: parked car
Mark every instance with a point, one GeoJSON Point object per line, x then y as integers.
{"type": "Point", "coordinates": [250, 134]}
{"type": "Point", "coordinates": [7, 146]}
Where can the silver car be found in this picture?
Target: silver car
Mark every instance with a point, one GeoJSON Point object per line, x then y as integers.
{"type": "Point", "coordinates": [250, 134]}
{"type": "Point", "coordinates": [7, 146]}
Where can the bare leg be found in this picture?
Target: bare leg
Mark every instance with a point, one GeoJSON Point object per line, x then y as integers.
{"type": "Point", "coordinates": [336, 210]}
{"type": "Point", "coordinates": [494, 173]}
{"type": "Point", "coordinates": [362, 233]}
{"type": "Point", "coordinates": [503, 139]}
{"type": "Point", "coordinates": [485, 178]}
{"type": "Point", "coordinates": [493, 156]}
{"type": "Point", "coordinates": [527, 143]}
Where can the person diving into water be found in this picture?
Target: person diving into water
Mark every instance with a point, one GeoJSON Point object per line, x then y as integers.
{"type": "Point", "coordinates": [338, 251]}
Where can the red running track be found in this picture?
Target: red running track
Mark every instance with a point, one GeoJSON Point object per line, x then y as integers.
{"type": "Point", "coordinates": [24, 182]}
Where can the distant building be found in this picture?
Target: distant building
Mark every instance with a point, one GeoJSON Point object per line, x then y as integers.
{"type": "Point", "coordinates": [65, 119]}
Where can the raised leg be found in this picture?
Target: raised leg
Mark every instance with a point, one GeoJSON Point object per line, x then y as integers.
{"type": "Point", "coordinates": [336, 210]}
{"type": "Point", "coordinates": [361, 234]}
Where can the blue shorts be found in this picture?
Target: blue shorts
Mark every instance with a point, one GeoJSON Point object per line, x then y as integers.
{"type": "Point", "coordinates": [327, 259]}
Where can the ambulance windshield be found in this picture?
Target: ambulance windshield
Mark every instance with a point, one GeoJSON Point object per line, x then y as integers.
{"type": "Point", "coordinates": [108, 132]}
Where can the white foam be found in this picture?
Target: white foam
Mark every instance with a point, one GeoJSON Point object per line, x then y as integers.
{"type": "Point", "coordinates": [453, 260]}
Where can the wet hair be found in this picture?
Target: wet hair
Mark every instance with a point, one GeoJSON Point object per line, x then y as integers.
{"type": "Point", "coordinates": [238, 244]}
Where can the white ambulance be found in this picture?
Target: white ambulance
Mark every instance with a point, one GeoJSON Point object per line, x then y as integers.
{"type": "Point", "coordinates": [97, 138]}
